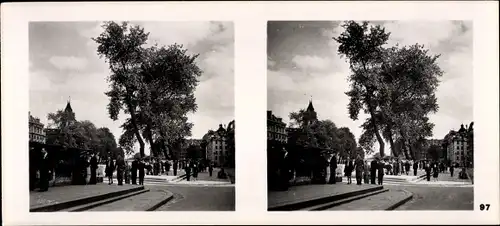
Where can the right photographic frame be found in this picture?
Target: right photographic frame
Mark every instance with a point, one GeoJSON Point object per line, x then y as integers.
{"type": "Point", "coordinates": [370, 115]}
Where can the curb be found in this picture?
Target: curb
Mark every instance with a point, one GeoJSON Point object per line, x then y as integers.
{"type": "Point", "coordinates": [82, 201]}
{"type": "Point", "coordinates": [297, 205]}
{"type": "Point", "coordinates": [170, 196]}
{"type": "Point", "coordinates": [405, 200]}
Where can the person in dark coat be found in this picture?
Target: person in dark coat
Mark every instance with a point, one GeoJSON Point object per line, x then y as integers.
{"type": "Point", "coordinates": [348, 171]}
{"type": "Point", "coordinates": [195, 171]}
{"type": "Point", "coordinates": [175, 167]}
{"type": "Point", "coordinates": [93, 169]}
{"type": "Point", "coordinates": [134, 171]}
{"type": "Point", "coordinates": [415, 168]}
{"type": "Point", "coordinates": [360, 167]}
{"type": "Point", "coordinates": [451, 170]}
{"type": "Point", "coordinates": [110, 168]}
{"type": "Point", "coordinates": [210, 169]}
{"type": "Point", "coordinates": [141, 166]}
{"type": "Point", "coordinates": [407, 167]}
{"type": "Point", "coordinates": [373, 170]}
{"type": "Point", "coordinates": [333, 169]}
{"type": "Point", "coordinates": [33, 167]}
{"type": "Point", "coordinates": [44, 171]}
{"type": "Point", "coordinates": [188, 170]}
{"type": "Point", "coordinates": [380, 174]}
{"type": "Point", "coordinates": [428, 169]}
{"type": "Point", "coordinates": [120, 169]}
{"type": "Point", "coordinates": [435, 171]}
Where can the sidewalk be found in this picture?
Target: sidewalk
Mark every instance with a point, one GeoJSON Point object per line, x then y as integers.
{"type": "Point", "coordinates": [309, 192]}
{"type": "Point", "coordinates": [60, 194]}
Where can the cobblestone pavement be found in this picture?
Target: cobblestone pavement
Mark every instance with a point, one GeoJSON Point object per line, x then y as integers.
{"type": "Point", "coordinates": [200, 198]}
{"type": "Point", "coordinates": [438, 198]}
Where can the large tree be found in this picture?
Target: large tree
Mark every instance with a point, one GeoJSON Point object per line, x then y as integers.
{"type": "Point", "coordinates": [395, 86]}
{"type": "Point", "coordinates": [122, 47]}
{"type": "Point", "coordinates": [154, 86]}
{"type": "Point", "coordinates": [362, 45]}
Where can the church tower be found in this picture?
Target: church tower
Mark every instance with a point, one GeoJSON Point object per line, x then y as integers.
{"type": "Point", "coordinates": [69, 115]}
{"type": "Point", "coordinates": [310, 115]}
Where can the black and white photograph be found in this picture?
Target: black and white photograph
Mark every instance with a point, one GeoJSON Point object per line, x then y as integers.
{"type": "Point", "coordinates": [370, 115]}
{"type": "Point", "coordinates": [131, 116]}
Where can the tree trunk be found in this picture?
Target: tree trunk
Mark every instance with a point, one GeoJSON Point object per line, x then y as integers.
{"type": "Point", "coordinates": [391, 142]}
{"type": "Point", "coordinates": [136, 128]}
{"type": "Point", "coordinates": [377, 133]}
{"type": "Point", "coordinates": [152, 147]}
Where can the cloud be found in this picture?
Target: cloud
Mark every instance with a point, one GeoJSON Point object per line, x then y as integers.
{"type": "Point", "coordinates": [314, 63]}
{"type": "Point", "coordinates": [68, 62]}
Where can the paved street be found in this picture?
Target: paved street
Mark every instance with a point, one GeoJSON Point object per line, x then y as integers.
{"type": "Point", "coordinates": [438, 198]}
{"type": "Point", "coordinates": [200, 198]}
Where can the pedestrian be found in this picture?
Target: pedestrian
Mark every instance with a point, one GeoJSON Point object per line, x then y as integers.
{"type": "Point", "coordinates": [175, 167]}
{"type": "Point", "coordinates": [44, 171]}
{"type": "Point", "coordinates": [120, 169]}
{"type": "Point", "coordinates": [127, 173]}
{"type": "Point", "coordinates": [333, 169]}
{"type": "Point", "coordinates": [33, 167]}
{"type": "Point", "coordinates": [359, 166]}
{"type": "Point", "coordinates": [348, 171]}
{"type": "Point", "coordinates": [93, 169]}
{"type": "Point", "coordinates": [451, 170]}
{"type": "Point", "coordinates": [407, 167]}
{"type": "Point", "coordinates": [167, 167]}
{"type": "Point", "coordinates": [188, 171]}
{"type": "Point", "coordinates": [394, 168]}
{"type": "Point", "coordinates": [373, 169]}
{"type": "Point", "coordinates": [415, 168]}
{"type": "Point", "coordinates": [380, 172]}
{"type": "Point", "coordinates": [134, 170]}
{"type": "Point", "coordinates": [366, 174]}
{"type": "Point", "coordinates": [210, 169]}
{"type": "Point", "coordinates": [110, 168]}
{"type": "Point", "coordinates": [141, 166]}
{"type": "Point", "coordinates": [195, 171]}
{"type": "Point", "coordinates": [436, 172]}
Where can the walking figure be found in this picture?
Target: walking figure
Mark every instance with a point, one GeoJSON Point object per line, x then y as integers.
{"type": "Point", "coordinates": [110, 168]}
{"type": "Point", "coordinates": [348, 171]}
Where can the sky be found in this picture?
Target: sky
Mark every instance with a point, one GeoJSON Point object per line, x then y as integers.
{"type": "Point", "coordinates": [64, 65]}
{"type": "Point", "coordinates": [303, 64]}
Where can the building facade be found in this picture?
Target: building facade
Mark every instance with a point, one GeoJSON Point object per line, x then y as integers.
{"type": "Point", "coordinates": [276, 128]}
{"type": "Point", "coordinates": [457, 148]}
{"type": "Point", "coordinates": [36, 130]}
{"type": "Point", "coordinates": [217, 149]}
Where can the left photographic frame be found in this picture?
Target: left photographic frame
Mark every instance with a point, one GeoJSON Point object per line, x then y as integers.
{"type": "Point", "coordinates": [131, 116]}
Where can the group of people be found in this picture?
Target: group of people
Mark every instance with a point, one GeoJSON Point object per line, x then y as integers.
{"type": "Point", "coordinates": [373, 173]}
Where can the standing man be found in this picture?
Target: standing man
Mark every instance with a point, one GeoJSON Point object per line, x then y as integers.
{"type": "Point", "coordinates": [33, 167]}
{"type": "Point", "coordinates": [93, 169]}
{"type": "Point", "coordinates": [44, 171]}
{"type": "Point", "coordinates": [451, 170]}
{"type": "Point", "coordinates": [407, 167]}
{"type": "Point", "coordinates": [110, 168]}
{"type": "Point", "coordinates": [134, 171]}
{"type": "Point", "coordinates": [141, 165]}
{"type": "Point", "coordinates": [333, 169]}
{"type": "Point", "coordinates": [188, 170]}
{"type": "Point", "coordinates": [210, 169]}
{"type": "Point", "coordinates": [380, 175]}
{"type": "Point", "coordinates": [415, 168]}
{"type": "Point", "coordinates": [120, 168]}
{"type": "Point", "coordinates": [175, 167]}
{"type": "Point", "coordinates": [359, 166]}
{"type": "Point", "coordinates": [373, 170]}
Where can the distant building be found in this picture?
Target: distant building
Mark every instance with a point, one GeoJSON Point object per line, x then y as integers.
{"type": "Point", "coordinates": [217, 148]}
{"type": "Point", "coordinates": [67, 119]}
{"type": "Point", "coordinates": [457, 149]}
{"type": "Point", "coordinates": [36, 131]}
{"type": "Point", "coordinates": [276, 128]}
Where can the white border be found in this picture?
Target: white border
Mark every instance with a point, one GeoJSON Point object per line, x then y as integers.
{"type": "Point", "coordinates": [250, 26]}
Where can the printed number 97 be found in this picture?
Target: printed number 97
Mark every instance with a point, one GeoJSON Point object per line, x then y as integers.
{"type": "Point", "coordinates": [484, 207]}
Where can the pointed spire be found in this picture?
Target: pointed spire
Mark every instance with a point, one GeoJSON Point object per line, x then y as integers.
{"type": "Point", "coordinates": [310, 106]}
{"type": "Point", "coordinates": [68, 106]}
